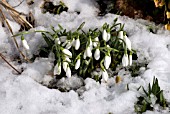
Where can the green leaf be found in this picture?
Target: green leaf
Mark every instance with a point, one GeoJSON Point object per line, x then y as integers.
{"type": "Point", "coordinates": [81, 26]}
{"type": "Point", "coordinates": [61, 28]}
{"type": "Point", "coordinates": [58, 10]}
{"type": "Point", "coordinates": [48, 40]}
{"type": "Point", "coordinates": [145, 91]}
{"type": "Point", "coordinates": [150, 89]}
{"type": "Point", "coordinates": [144, 106]}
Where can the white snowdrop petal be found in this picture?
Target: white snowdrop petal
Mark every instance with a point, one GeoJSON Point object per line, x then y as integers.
{"type": "Point", "coordinates": [57, 69]}
{"type": "Point", "coordinates": [104, 35]}
{"type": "Point", "coordinates": [65, 65]}
{"type": "Point", "coordinates": [88, 52]}
{"type": "Point", "coordinates": [25, 44]}
{"type": "Point", "coordinates": [107, 61]}
{"type": "Point", "coordinates": [108, 37]}
{"type": "Point", "coordinates": [67, 59]}
{"type": "Point", "coordinates": [97, 54]}
{"type": "Point", "coordinates": [85, 54]}
{"type": "Point", "coordinates": [120, 35]}
{"type": "Point", "coordinates": [105, 75]}
{"type": "Point", "coordinates": [77, 44]}
{"type": "Point", "coordinates": [68, 72]}
{"type": "Point", "coordinates": [77, 65]}
{"type": "Point", "coordinates": [67, 52]}
{"type": "Point", "coordinates": [125, 60]}
{"type": "Point", "coordinates": [130, 60]}
{"type": "Point", "coordinates": [128, 42]}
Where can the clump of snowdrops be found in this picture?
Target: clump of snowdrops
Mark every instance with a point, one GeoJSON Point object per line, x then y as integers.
{"type": "Point", "coordinates": [151, 99]}
{"type": "Point", "coordinates": [87, 53]}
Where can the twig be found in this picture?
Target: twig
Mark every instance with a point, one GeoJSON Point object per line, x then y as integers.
{"type": "Point", "coordinates": [9, 64]}
{"type": "Point", "coordinates": [15, 13]}
{"type": "Point", "coordinates": [18, 4]}
{"type": "Point", "coordinates": [10, 29]}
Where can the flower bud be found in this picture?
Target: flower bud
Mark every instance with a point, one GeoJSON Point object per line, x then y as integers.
{"type": "Point", "coordinates": [77, 44]}
{"type": "Point", "coordinates": [57, 69]}
{"type": "Point", "coordinates": [107, 61]}
{"type": "Point", "coordinates": [104, 35]}
{"type": "Point", "coordinates": [130, 59]}
{"type": "Point", "coordinates": [25, 44]}
{"type": "Point", "coordinates": [77, 65]}
{"type": "Point", "coordinates": [97, 54]}
{"type": "Point", "coordinates": [125, 60]}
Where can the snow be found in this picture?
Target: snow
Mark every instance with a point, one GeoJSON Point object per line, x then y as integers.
{"type": "Point", "coordinates": [25, 94]}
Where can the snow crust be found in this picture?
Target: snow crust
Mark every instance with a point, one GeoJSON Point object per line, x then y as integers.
{"type": "Point", "coordinates": [23, 94]}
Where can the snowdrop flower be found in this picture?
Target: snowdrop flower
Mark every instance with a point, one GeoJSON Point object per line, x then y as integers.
{"type": "Point", "coordinates": [77, 44]}
{"type": "Point", "coordinates": [88, 52]}
{"type": "Point", "coordinates": [128, 42]}
{"type": "Point", "coordinates": [104, 35]}
{"type": "Point", "coordinates": [107, 61]}
{"type": "Point", "coordinates": [25, 44]}
{"type": "Point", "coordinates": [57, 41]}
{"type": "Point", "coordinates": [77, 65]}
{"type": "Point", "coordinates": [97, 54]}
{"type": "Point", "coordinates": [95, 43]}
{"type": "Point", "coordinates": [125, 60]}
{"type": "Point", "coordinates": [105, 75]}
{"type": "Point", "coordinates": [65, 65]}
{"type": "Point", "coordinates": [130, 59]}
{"type": "Point", "coordinates": [57, 69]}
{"type": "Point", "coordinates": [67, 52]}
{"type": "Point", "coordinates": [68, 72]}
{"type": "Point", "coordinates": [120, 35]}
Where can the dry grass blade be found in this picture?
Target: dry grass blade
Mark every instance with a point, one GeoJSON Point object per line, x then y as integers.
{"type": "Point", "coordinates": [17, 16]}
{"type": "Point", "coordinates": [10, 29]}
{"type": "Point", "coordinates": [9, 64]}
